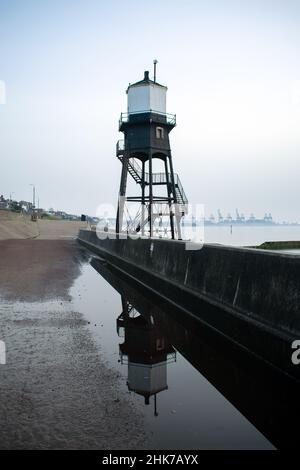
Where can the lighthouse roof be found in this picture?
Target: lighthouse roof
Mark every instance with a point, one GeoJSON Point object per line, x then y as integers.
{"type": "Point", "coordinates": [146, 81]}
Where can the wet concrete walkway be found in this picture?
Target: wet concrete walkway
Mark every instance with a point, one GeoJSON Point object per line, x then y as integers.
{"type": "Point", "coordinates": [56, 392]}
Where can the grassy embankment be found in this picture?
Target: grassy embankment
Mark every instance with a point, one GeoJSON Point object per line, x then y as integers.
{"type": "Point", "coordinates": [279, 245]}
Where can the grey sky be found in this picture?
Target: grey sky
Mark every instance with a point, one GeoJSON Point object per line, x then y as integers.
{"type": "Point", "coordinates": [233, 74]}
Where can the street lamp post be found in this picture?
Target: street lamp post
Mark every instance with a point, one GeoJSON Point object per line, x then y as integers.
{"type": "Point", "coordinates": [10, 199]}
{"type": "Point", "coordinates": [33, 196]}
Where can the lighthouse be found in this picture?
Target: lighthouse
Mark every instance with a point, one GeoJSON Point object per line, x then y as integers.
{"type": "Point", "coordinates": [147, 352]}
{"type": "Point", "coordinates": [145, 153]}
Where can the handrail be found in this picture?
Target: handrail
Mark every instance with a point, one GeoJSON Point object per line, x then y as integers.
{"type": "Point", "coordinates": [120, 145]}
{"type": "Point", "coordinates": [156, 177]}
{"type": "Point", "coordinates": [137, 167]}
{"type": "Point", "coordinates": [181, 190]}
{"type": "Point", "coordinates": [170, 118]}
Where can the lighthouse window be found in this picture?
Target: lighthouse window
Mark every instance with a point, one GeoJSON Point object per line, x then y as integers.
{"type": "Point", "coordinates": [159, 133]}
{"type": "Point", "coordinates": [160, 344]}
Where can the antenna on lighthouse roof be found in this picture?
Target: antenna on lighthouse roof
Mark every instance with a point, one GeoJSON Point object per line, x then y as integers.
{"type": "Point", "coordinates": [155, 62]}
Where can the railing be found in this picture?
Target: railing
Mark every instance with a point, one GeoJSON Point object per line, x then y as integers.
{"type": "Point", "coordinates": [169, 118]}
{"type": "Point", "coordinates": [133, 162]}
{"type": "Point", "coordinates": [171, 357]}
{"type": "Point", "coordinates": [180, 188]}
{"type": "Point", "coordinates": [161, 178]}
{"type": "Point", "coordinates": [120, 146]}
{"type": "Point", "coordinates": [157, 178]}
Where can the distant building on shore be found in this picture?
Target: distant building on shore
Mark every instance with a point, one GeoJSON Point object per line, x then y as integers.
{"type": "Point", "coordinates": [4, 203]}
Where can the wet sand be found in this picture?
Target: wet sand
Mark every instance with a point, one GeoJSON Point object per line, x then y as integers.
{"type": "Point", "coordinates": [56, 392]}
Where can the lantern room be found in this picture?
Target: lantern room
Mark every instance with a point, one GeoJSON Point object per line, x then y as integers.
{"type": "Point", "coordinates": [146, 96]}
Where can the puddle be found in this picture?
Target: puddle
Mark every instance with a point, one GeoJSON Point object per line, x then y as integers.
{"type": "Point", "coordinates": [186, 411]}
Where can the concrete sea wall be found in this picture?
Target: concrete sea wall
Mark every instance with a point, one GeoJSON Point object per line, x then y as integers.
{"type": "Point", "coordinates": [251, 296]}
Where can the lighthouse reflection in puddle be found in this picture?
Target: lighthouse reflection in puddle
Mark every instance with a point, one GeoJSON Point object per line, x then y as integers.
{"type": "Point", "coordinates": [146, 351]}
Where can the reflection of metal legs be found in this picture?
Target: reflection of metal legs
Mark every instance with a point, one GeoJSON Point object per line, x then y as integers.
{"type": "Point", "coordinates": [155, 406]}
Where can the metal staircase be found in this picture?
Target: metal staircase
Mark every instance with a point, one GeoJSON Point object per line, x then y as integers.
{"type": "Point", "coordinates": [135, 170]}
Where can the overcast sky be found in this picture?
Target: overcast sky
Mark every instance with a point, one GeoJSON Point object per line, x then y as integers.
{"type": "Point", "coordinates": [233, 74]}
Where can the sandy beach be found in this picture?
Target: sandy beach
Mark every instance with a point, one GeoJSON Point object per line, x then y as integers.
{"type": "Point", "coordinates": [19, 226]}
{"type": "Point", "coordinates": [56, 390]}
